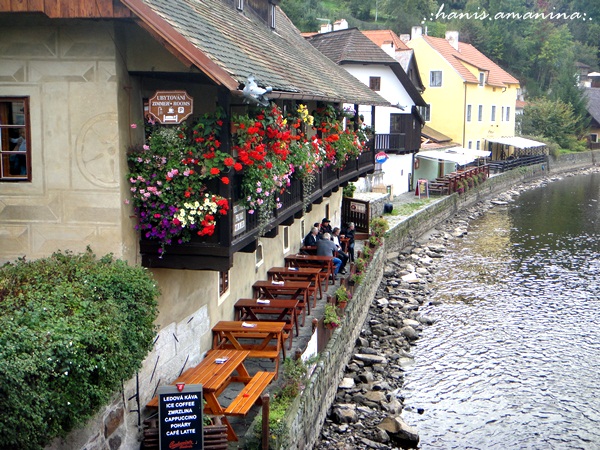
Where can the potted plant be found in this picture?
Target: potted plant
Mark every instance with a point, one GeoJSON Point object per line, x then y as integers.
{"type": "Point", "coordinates": [331, 319]}
{"type": "Point", "coordinates": [349, 190]}
{"type": "Point", "coordinates": [342, 295]}
{"type": "Point", "coordinates": [378, 226]}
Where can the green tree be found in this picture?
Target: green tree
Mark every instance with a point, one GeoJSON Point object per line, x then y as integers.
{"type": "Point", "coordinates": [72, 328]}
{"type": "Point", "coordinates": [553, 119]}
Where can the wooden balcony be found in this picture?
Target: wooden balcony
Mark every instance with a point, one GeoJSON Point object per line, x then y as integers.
{"type": "Point", "coordinates": [398, 142]}
{"type": "Point", "coordinates": [239, 231]}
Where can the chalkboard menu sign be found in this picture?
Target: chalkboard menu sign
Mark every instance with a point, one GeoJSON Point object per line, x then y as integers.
{"type": "Point", "coordinates": [180, 417]}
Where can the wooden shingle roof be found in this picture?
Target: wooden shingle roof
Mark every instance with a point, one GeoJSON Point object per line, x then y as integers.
{"type": "Point", "coordinates": [468, 54]}
{"type": "Point", "coordinates": [229, 46]}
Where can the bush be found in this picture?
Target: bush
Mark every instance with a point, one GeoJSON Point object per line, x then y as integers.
{"type": "Point", "coordinates": [72, 328]}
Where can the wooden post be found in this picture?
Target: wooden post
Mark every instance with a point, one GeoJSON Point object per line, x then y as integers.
{"type": "Point", "coordinates": [265, 422]}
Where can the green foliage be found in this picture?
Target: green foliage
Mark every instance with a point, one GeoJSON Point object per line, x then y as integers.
{"type": "Point", "coordinates": [553, 119]}
{"type": "Point", "coordinates": [331, 316]}
{"type": "Point", "coordinates": [349, 190]}
{"type": "Point", "coordinates": [378, 226]}
{"type": "Point", "coordinates": [342, 294]}
{"type": "Point", "coordinates": [72, 328]}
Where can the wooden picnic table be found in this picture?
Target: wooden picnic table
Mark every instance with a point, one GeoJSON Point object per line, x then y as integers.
{"type": "Point", "coordinates": [215, 377]}
{"type": "Point", "coordinates": [325, 263]}
{"type": "Point", "coordinates": [278, 310]}
{"type": "Point", "coordinates": [236, 335]}
{"type": "Point", "coordinates": [296, 290]}
{"type": "Point", "coordinates": [312, 274]}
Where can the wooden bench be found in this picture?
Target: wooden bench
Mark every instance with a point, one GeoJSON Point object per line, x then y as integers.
{"type": "Point", "coordinates": [249, 394]}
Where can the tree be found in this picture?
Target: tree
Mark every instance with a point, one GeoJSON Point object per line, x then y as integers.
{"type": "Point", "coordinates": [72, 328]}
{"type": "Point", "coordinates": [553, 119]}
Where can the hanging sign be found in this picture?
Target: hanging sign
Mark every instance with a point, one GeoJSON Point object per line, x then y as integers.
{"type": "Point", "coordinates": [171, 107]}
{"type": "Point", "coordinates": [381, 157]}
{"type": "Point", "coordinates": [180, 417]}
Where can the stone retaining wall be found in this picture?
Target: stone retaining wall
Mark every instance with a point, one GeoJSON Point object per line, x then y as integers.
{"type": "Point", "coordinates": [310, 408]}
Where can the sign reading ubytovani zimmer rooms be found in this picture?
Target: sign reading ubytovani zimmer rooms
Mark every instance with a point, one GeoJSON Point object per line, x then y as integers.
{"type": "Point", "coordinates": [180, 417]}
{"type": "Point", "coordinates": [171, 106]}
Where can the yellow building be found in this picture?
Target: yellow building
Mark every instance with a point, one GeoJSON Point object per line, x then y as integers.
{"type": "Point", "coordinates": [471, 98]}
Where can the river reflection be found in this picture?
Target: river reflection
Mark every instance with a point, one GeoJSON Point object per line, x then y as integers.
{"type": "Point", "coordinates": [513, 361]}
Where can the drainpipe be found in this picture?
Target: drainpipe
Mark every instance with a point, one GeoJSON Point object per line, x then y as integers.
{"type": "Point", "coordinates": [465, 116]}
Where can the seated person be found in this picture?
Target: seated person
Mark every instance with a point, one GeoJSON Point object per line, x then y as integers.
{"type": "Point", "coordinates": [335, 237]}
{"type": "Point", "coordinates": [325, 226]}
{"type": "Point", "coordinates": [326, 247]}
{"type": "Point", "coordinates": [311, 238]}
{"type": "Point", "coordinates": [349, 233]}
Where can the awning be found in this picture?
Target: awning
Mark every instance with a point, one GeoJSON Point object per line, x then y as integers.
{"type": "Point", "coordinates": [459, 155]}
{"type": "Point", "coordinates": [517, 141]}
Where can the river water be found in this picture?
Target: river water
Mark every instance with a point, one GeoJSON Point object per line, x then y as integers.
{"type": "Point", "coordinates": [513, 361]}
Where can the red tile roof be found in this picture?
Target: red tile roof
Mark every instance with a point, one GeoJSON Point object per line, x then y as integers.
{"type": "Point", "coordinates": [381, 37]}
{"type": "Point", "coordinates": [470, 55]}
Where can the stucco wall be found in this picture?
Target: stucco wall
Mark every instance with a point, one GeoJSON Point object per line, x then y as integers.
{"type": "Point", "coordinates": [73, 200]}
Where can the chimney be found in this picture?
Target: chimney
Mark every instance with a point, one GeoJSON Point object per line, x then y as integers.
{"type": "Point", "coordinates": [452, 38]}
{"type": "Point", "coordinates": [404, 38]}
{"type": "Point", "coordinates": [341, 24]}
{"type": "Point", "coordinates": [388, 47]}
{"type": "Point", "coordinates": [325, 28]}
{"type": "Point", "coordinates": [416, 32]}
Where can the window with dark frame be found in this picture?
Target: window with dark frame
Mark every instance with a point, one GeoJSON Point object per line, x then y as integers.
{"type": "Point", "coordinates": [223, 282]}
{"type": "Point", "coordinates": [425, 112]}
{"type": "Point", "coordinates": [15, 131]}
{"type": "Point", "coordinates": [375, 83]}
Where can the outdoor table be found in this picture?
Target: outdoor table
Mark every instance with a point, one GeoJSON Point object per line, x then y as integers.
{"type": "Point", "coordinates": [215, 378]}
{"type": "Point", "coordinates": [235, 335]}
{"type": "Point", "coordinates": [312, 274]}
{"type": "Point", "coordinates": [296, 290]}
{"type": "Point", "coordinates": [325, 263]}
{"type": "Point", "coordinates": [252, 309]}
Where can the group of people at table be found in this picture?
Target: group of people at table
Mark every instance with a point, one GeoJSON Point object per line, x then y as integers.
{"type": "Point", "coordinates": [264, 322]}
{"type": "Point", "coordinates": [327, 241]}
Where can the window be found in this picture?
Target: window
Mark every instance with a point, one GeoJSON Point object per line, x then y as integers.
{"type": "Point", "coordinates": [375, 83]}
{"type": "Point", "coordinates": [468, 113]}
{"type": "Point", "coordinates": [435, 78]}
{"type": "Point", "coordinates": [223, 282]}
{"type": "Point", "coordinates": [425, 112]}
{"type": "Point", "coordinates": [493, 117]}
{"type": "Point", "coordinates": [286, 239]}
{"type": "Point", "coordinates": [239, 4]}
{"type": "Point", "coordinates": [508, 113]}
{"type": "Point", "coordinates": [502, 115]}
{"type": "Point", "coordinates": [593, 137]}
{"type": "Point", "coordinates": [481, 78]}
{"type": "Point", "coordinates": [272, 15]}
{"type": "Point", "coordinates": [470, 146]}
{"type": "Point", "coordinates": [478, 143]}
{"type": "Point", "coordinates": [15, 148]}
{"type": "Point", "coordinates": [259, 259]}
{"type": "Point", "coordinates": [480, 113]}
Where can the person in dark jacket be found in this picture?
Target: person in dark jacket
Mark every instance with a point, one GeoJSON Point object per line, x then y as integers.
{"type": "Point", "coordinates": [325, 226]}
{"type": "Point", "coordinates": [311, 238]}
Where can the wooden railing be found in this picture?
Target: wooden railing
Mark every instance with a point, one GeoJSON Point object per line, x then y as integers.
{"type": "Point", "coordinates": [509, 164]}
{"type": "Point", "coordinates": [398, 142]}
{"type": "Point", "coordinates": [239, 230]}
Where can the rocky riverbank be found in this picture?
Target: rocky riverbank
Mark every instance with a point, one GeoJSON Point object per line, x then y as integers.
{"type": "Point", "coordinates": [368, 404]}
